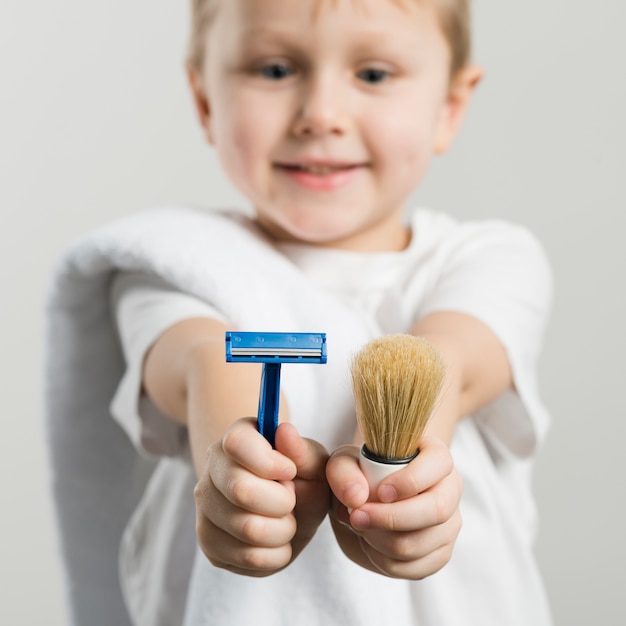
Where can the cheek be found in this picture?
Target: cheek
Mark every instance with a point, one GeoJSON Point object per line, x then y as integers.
{"type": "Point", "coordinates": [408, 145]}
{"type": "Point", "coordinates": [238, 136]}
{"type": "Point", "coordinates": [410, 116]}
{"type": "Point", "coordinates": [245, 138]}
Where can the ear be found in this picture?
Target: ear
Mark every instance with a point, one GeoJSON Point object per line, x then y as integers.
{"type": "Point", "coordinates": [453, 112]}
{"type": "Point", "coordinates": [201, 102]}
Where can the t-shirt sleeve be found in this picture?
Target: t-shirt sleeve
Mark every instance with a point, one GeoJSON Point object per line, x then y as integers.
{"type": "Point", "coordinates": [499, 273]}
{"type": "Point", "coordinates": [144, 306]}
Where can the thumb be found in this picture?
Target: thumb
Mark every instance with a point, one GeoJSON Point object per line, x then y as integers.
{"type": "Point", "coordinates": [308, 455]}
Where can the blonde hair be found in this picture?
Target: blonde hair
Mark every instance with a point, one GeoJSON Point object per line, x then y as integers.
{"type": "Point", "coordinates": [454, 20]}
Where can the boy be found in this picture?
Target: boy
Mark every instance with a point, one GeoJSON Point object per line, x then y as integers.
{"type": "Point", "coordinates": [326, 115]}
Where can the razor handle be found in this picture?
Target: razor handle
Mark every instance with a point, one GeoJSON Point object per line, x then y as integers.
{"type": "Point", "coordinates": [269, 398]}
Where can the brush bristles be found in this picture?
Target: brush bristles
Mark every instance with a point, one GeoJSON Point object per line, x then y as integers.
{"type": "Point", "coordinates": [396, 380]}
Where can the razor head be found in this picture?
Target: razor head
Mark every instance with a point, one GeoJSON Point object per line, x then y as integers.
{"type": "Point", "coordinates": [247, 347]}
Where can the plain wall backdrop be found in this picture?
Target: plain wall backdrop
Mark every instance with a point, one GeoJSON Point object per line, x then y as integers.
{"type": "Point", "coordinates": [96, 122]}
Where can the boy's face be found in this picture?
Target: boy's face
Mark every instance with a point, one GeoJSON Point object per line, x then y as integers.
{"type": "Point", "coordinates": [326, 121]}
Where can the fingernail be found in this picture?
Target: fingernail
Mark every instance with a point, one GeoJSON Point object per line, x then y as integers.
{"type": "Point", "coordinates": [360, 520]}
{"type": "Point", "coordinates": [387, 494]}
{"type": "Point", "coordinates": [287, 473]}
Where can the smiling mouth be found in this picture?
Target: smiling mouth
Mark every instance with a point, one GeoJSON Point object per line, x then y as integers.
{"type": "Point", "coordinates": [318, 169]}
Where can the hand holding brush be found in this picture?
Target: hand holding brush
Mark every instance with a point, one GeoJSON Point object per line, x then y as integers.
{"type": "Point", "coordinates": [406, 526]}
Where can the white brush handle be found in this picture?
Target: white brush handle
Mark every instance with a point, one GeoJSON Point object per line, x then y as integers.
{"type": "Point", "coordinates": [376, 471]}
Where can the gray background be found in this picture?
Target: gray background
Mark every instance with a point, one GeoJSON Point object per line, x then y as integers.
{"type": "Point", "coordinates": [95, 122]}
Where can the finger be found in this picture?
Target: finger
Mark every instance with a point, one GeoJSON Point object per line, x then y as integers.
{"type": "Point", "coordinates": [414, 545]}
{"type": "Point", "coordinates": [245, 490]}
{"type": "Point", "coordinates": [227, 552]}
{"type": "Point", "coordinates": [430, 508]}
{"type": "Point", "coordinates": [309, 456]}
{"type": "Point", "coordinates": [312, 491]}
{"type": "Point", "coordinates": [247, 447]}
{"type": "Point", "coordinates": [252, 529]}
{"type": "Point", "coordinates": [432, 464]}
{"type": "Point", "coordinates": [346, 478]}
{"type": "Point", "coordinates": [408, 570]}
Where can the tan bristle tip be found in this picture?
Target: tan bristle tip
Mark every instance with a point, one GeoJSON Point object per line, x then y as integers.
{"type": "Point", "coordinates": [396, 381]}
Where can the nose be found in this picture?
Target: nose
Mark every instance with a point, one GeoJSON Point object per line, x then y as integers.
{"type": "Point", "coordinates": [321, 109]}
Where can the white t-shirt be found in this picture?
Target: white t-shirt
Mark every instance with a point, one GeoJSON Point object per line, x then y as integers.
{"type": "Point", "coordinates": [493, 271]}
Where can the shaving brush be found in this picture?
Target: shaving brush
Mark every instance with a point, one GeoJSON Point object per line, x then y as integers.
{"type": "Point", "coordinates": [396, 381]}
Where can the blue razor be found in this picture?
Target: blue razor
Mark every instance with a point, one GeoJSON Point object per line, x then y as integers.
{"type": "Point", "coordinates": [273, 349]}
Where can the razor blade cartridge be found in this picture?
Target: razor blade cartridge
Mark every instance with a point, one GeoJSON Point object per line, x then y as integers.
{"type": "Point", "coordinates": [247, 347]}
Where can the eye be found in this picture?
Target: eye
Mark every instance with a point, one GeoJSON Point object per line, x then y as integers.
{"type": "Point", "coordinates": [276, 71]}
{"type": "Point", "coordinates": [373, 75]}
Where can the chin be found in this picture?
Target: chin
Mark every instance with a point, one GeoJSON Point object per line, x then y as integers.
{"type": "Point", "coordinates": [322, 235]}
{"type": "Point", "coordinates": [309, 229]}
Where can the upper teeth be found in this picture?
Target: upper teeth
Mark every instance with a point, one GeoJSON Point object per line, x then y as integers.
{"type": "Point", "coordinates": [319, 169]}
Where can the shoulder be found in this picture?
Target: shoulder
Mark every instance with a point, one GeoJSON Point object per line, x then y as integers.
{"type": "Point", "coordinates": [498, 244]}
{"type": "Point", "coordinates": [439, 227]}
{"type": "Point", "coordinates": [495, 270]}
